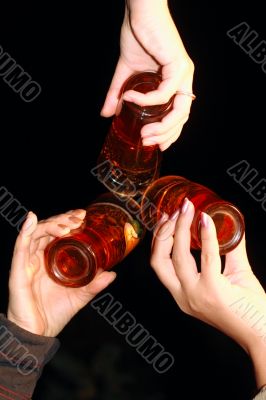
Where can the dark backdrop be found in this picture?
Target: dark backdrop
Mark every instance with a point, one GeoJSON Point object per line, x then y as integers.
{"type": "Point", "coordinates": [49, 146]}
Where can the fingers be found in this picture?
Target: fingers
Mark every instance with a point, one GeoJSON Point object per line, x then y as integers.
{"type": "Point", "coordinates": [158, 227]}
{"type": "Point", "coordinates": [121, 74]}
{"type": "Point", "coordinates": [183, 261]}
{"type": "Point", "coordinates": [237, 259]}
{"type": "Point", "coordinates": [162, 95]}
{"type": "Point", "coordinates": [210, 257]}
{"type": "Point", "coordinates": [56, 226]}
{"type": "Point", "coordinates": [99, 283]}
{"type": "Point", "coordinates": [176, 75]}
{"type": "Point", "coordinates": [170, 141]}
{"type": "Point", "coordinates": [28, 228]}
{"type": "Point", "coordinates": [79, 212]}
{"type": "Point", "coordinates": [162, 134]}
{"type": "Point", "coordinates": [60, 224]}
{"type": "Point", "coordinates": [21, 254]}
{"type": "Point", "coordinates": [162, 246]}
{"type": "Point", "coordinates": [165, 133]}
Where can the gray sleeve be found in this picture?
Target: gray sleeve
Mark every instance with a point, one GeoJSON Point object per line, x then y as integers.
{"type": "Point", "coordinates": [22, 358]}
{"type": "Point", "coordinates": [261, 395]}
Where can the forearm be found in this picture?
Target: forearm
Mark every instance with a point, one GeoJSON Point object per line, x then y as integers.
{"type": "Point", "coordinates": [258, 356]}
{"type": "Point", "coordinates": [139, 7]}
{"type": "Point", "coordinates": [146, 3]}
{"type": "Point", "coordinates": [22, 358]}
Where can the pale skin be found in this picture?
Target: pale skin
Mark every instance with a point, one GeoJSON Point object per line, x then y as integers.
{"type": "Point", "coordinates": [36, 303]}
{"type": "Point", "coordinates": [209, 294]}
{"type": "Point", "coordinates": [150, 41]}
{"type": "Point", "coordinates": [41, 306]}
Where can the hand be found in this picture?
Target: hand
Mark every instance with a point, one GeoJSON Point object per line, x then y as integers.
{"type": "Point", "coordinates": [150, 41]}
{"type": "Point", "coordinates": [36, 302]}
{"type": "Point", "coordinates": [232, 301]}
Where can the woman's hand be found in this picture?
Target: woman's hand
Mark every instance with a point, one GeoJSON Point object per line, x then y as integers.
{"type": "Point", "coordinates": [36, 302]}
{"type": "Point", "coordinates": [232, 301]}
{"type": "Point", "coordinates": [150, 41]}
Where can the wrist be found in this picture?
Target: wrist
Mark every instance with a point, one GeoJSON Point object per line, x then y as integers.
{"type": "Point", "coordinates": [257, 352]}
{"type": "Point", "coordinates": [140, 6]}
{"type": "Point", "coordinates": [28, 326]}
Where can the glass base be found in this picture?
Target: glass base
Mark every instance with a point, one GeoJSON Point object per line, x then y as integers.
{"type": "Point", "coordinates": [70, 263]}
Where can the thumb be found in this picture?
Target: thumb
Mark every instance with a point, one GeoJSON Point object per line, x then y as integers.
{"type": "Point", "coordinates": [99, 283]}
{"type": "Point", "coordinates": [121, 74]}
{"type": "Point", "coordinates": [210, 257]}
{"type": "Point", "coordinates": [22, 245]}
{"type": "Point", "coordinates": [21, 255]}
{"type": "Point", "coordinates": [237, 259]}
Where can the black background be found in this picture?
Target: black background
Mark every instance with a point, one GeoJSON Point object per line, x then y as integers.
{"type": "Point", "coordinates": [49, 146]}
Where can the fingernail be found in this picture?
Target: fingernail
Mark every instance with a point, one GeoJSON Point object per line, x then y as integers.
{"type": "Point", "coordinates": [63, 227]}
{"type": "Point", "coordinates": [148, 142]}
{"type": "Point", "coordinates": [163, 218]}
{"type": "Point", "coordinates": [28, 222]}
{"type": "Point", "coordinates": [147, 132]}
{"type": "Point", "coordinates": [204, 220]}
{"type": "Point", "coordinates": [175, 215]}
{"type": "Point", "coordinates": [185, 205]}
{"type": "Point", "coordinates": [78, 211]}
{"type": "Point", "coordinates": [112, 273]}
{"type": "Point", "coordinates": [146, 135]}
{"type": "Point", "coordinates": [127, 97]}
{"type": "Point", "coordinates": [75, 219]}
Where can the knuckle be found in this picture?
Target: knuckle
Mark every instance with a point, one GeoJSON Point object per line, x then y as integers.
{"type": "Point", "coordinates": [208, 258]}
{"type": "Point", "coordinates": [164, 98]}
{"type": "Point", "coordinates": [184, 306]}
{"type": "Point", "coordinates": [158, 129]}
{"type": "Point", "coordinates": [200, 305]}
{"type": "Point", "coordinates": [178, 259]}
{"type": "Point", "coordinates": [187, 65]}
{"type": "Point", "coordinates": [191, 65]}
{"type": "Point", "coordinates": [185, 118]}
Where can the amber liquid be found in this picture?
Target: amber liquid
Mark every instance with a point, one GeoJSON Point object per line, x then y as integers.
{"type": "Point", "coordinates": [167, 195]}
{"type": "Point", "coordinates": [102, 242]}
{"type": "Point", "coordinates": [134, 166]}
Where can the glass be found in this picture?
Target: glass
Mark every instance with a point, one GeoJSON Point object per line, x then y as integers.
{"type": "Point", "coordinates": [167, 194]}
{"type": "Point", "coordinates": [133, 166]}
{"type": "Point", "coordinates": [109, 233]}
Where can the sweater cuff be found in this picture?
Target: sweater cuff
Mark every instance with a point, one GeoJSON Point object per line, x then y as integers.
{"type": "Point", "coordinates": [22, 358]}
{"type": "Point", "coordinates": [261, 395]}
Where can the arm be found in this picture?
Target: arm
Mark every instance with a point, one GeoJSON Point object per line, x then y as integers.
{"type": "Point", "coordinates": [233, 301]}
{"type": "Point", "coordinates": [150, 41]}
{"type": "Point", "coordinates": [38, 308]}
{"type": "Point", "coordinates": [23, 356]}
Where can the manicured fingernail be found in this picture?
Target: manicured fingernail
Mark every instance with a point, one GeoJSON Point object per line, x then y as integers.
{"type": "Point", "coordinates": [204, 220]}
{"type": "Point", "coordinates": [185, 205]}
{"type": "Point", "coordinates": [163, 218]}
{"type": "Point", "coordinates": [146, 135]}
{"type": "Point", "coordinates": [148, 142]}
{"type": "Point", "coordinates": [28, 222]}
{"type": "Point", "coordinates": [147, 132]}
{"type": "Point", "coordinates": [78, 211]}
{"type": "Point", "coordinates": [175, 215]}
{"type": "Point", "coordinates": [75, 219]}
{"type": "Point", "coordinates": [63, 228]}
{"type": "Point", "coordinates": [127, 97]}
